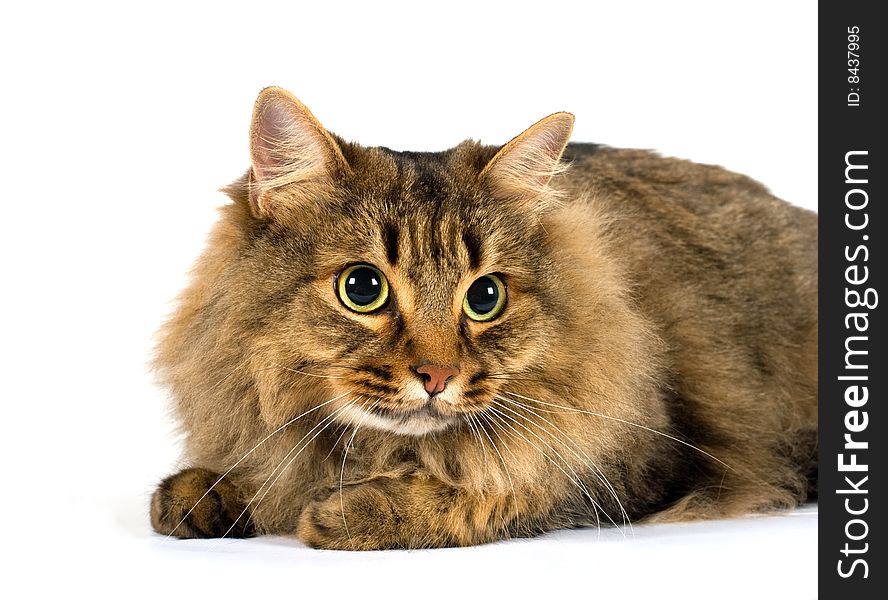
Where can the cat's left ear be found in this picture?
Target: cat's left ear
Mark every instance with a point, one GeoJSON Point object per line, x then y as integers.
{"type": "Point", "coordinates": [523, 167]}
{"type": "Point", "coordinates": [289, 147]}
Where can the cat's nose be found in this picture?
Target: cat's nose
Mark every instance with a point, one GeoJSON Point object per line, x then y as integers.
{"type": "Point", "coordinates": [436, 376]}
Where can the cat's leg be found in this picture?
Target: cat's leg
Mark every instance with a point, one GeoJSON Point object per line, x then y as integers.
{"type": "Point", "coordinates": [416, 511]}
{"type": "Point", "coordinates": [184, 506]}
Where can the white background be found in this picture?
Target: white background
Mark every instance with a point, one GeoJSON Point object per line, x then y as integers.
{"type": "Point", "coordinates": [119, 122]}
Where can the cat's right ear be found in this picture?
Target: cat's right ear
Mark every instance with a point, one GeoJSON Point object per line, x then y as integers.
{"type": "Point", "coordinates": [289, 147]}
{"type": "Point", "coordinates": [523, 167]}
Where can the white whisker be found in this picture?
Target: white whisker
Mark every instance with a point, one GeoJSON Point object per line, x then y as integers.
{"type": "Point", "coordinates": [345, 456]}
{"type": "Point", "coordinates": [334, 445]}
{"type": "Point", "coordinates": [625, 422]}
{"type": "Point", "coordinates": [588, 460]}
{"type": "Point", "coordinates": [575, 478]}
{"type": "Point", "coordinates": [292, 370]}
{"type": "Point", "coordinates": [470, 421]}
{"type": "Point", "coordinates": [253, 449]}
{"type": "Point", "coordinates": [502, 460]}
{"type": "Point", "coordinates": [498, 421]}
{"type": "Point", "coordinates": [322, 425]}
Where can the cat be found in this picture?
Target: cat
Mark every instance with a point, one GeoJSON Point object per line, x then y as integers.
{"type": "Point", "coordinates": [384, 349]}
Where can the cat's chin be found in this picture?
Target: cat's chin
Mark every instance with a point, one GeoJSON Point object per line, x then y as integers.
{"type": "Point", "coordinates": [415, 423]}
{"type": "Point", "coordinates": [418, 425]}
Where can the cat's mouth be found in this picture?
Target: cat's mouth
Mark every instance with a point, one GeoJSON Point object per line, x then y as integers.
{"type": "Point", "coordinates": [418, 421]}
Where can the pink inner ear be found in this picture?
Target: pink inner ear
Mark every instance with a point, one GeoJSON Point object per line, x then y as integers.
{"type": "Point", "coordinates": [554, 143]}
{"type": "Point", "coordinates": [288, 147]}
{"type": "Point", "coordinates": [270, 139]}
{"type": "Point", "coordinates": [525, 165]}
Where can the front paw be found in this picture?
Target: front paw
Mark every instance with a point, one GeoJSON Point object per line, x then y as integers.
{"type": "Point", "coordinates": [363, 516]}
{"type": "Point", "coordinates": [195, 504]}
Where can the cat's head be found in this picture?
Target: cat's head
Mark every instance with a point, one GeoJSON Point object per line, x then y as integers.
{"type": "Point", "coordinates": [407, 286]}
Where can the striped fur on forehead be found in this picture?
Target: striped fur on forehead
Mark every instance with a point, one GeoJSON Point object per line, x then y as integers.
{"type": "Point", "coordinates": [430, 208]}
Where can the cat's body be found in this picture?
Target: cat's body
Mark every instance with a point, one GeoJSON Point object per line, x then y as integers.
{"type": "Point", "coordinates": [654, 355]}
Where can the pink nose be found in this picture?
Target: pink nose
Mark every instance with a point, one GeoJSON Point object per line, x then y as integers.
{"type": "Point", "coordinates": [436, 377]}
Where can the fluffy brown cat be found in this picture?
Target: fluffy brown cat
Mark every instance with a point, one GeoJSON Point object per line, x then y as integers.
{"type": "Point", "coordinates": [387, 349]}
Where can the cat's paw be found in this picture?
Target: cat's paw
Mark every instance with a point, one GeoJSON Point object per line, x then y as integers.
{"type": "Point", "coordinates": [183, 507]}
{"type": "Point", "coordinates": [361, 517]}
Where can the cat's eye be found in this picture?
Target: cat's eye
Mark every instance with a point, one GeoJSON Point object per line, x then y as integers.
{"type": "Point", "coordinates": [485, 299]}
{"type": "Point", "coordinates": [362, 288]}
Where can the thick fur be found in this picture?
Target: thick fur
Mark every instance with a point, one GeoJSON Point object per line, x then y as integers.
{"type": "Point", "coordinates": [656, 358]}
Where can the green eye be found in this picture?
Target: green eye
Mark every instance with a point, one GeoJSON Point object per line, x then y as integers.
{"type": "Point", "coordinates": [485, 299]}
{"type": "Point", "coordinates": [362, 288]}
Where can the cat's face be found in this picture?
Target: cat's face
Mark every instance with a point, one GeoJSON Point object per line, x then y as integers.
{"type": "Point", "coordinates": [408, 286]}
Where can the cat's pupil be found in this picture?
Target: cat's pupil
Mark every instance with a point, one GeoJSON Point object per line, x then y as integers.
{"type": "Point", "coordinates": [483, 295]}
{"type": "Point", "coordinates": [363, 286]}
